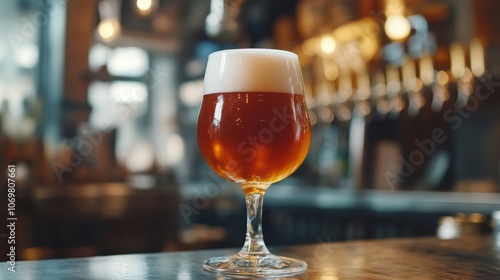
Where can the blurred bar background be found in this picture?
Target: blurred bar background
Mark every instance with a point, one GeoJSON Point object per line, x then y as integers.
{"type": "Point", "coordinates": [99, 101]}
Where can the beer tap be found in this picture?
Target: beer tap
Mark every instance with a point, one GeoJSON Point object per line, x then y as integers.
{"type": "Point", "coordinates": [413, 87]}
{"type": "Point", "coordinates": [344, 95]}
{"type": "Point", "coordinates": [324, 92]}
{"type": "Point", "coordinates": [396, 102]}
{"type": "Point", "coordinates": [222, 21]}
{"type": "Point", "coordinates": [362, 94]}
{"type": "Point", "coordinates": [380, 94]}
{"type": "Point", "coordinates": [437, 82]}
{"type": "Point", "coordinates": [477, 58]}
{"type": "Point", "coordinates": [461, 73]}
{"type": "Point", "coordinates": [440, 91]}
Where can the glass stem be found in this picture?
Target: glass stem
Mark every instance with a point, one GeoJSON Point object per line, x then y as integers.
{"type": "Point", "coordinates": [254, 242]}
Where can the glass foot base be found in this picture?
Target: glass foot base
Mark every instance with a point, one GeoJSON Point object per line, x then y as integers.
{"type": "Point", "coordinates": [267, 265]}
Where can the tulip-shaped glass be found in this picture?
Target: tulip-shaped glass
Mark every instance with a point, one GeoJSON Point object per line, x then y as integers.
{"type": "Point", "coordinates": [253, 129]}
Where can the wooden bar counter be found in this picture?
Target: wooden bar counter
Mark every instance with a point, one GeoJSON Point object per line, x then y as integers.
{"type": "Point", "coordinates": [415, 258]}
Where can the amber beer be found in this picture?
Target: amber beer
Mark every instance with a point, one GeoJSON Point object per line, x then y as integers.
{"type": "Point", "coordinates": [254, 136]}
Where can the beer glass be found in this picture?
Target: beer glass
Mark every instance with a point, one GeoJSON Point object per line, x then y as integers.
{"type": "Point", "coordinates": [253, 129]}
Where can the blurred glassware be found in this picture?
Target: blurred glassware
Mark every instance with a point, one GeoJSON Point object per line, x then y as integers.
{"type": "Point", "coordinates": [109, 29]}
{"type": "Point", "coordinates": [496, 228]}
{"type": "Point", "coordinates": [461, 225]}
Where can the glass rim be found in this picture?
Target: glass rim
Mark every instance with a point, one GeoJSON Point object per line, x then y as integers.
{"type": "Point", "coordinates": [254, 51]}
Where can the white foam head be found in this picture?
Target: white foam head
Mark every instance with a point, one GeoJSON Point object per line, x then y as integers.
{"type": "Point", "coordinates": [253, 70]}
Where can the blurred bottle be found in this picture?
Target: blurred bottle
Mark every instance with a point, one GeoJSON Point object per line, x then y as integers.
{"type": "Point", "coordinates": [462, 225]}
